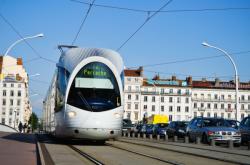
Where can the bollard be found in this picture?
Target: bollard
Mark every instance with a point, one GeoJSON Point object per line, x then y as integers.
{"type": "Point", "coordinates": [186, 139]}
{"type": "Point", "coordinates": [150, 136]}
{"type": "Point", "coordinates": [248, 143]}
{"type": "Point", "coordinates": [158, 137]}
{"type": "Point", "coordinates": [212, 142]}
{"type": "Point", "coordinates": [175, 138]}
{"type": "Point", "coordinates": [166, 138]}
{"type": "Point", "coordinates": [123, 134]}
{"type": "Point", "coordinates": [144, 136]}
{"type": "Point", "coordinates": [138, 135]}
{"type": "Point", "coordinates": [129, 134]}
{"type": "Point", "coordinates": [231, 144]}
{"type": "Point", "coordinates": [133, 135]}
{"type": "Point", "coordinates": [198, 140]}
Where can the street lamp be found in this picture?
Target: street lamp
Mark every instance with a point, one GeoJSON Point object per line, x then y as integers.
{"type": "Point", "coordinates": [22, 39]}
{"type": "Point", "coordinates": [236, 74]}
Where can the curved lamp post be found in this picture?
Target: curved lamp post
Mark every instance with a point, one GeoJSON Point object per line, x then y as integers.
{"type": "Point", "coordinates": [22, 39]}
{"type": "Point", "coordinates": [236, 74]}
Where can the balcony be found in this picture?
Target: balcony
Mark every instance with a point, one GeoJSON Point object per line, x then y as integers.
{"type": "Point", "coordinates": [201, 109]}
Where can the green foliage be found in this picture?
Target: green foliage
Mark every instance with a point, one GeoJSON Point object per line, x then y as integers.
{"type": "Point", "coordinates": [33, 121]}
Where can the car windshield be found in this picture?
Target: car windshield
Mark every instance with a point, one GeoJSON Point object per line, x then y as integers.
{"type": "Point", "coordinates": [182, 124]}
{"type": "Point", "coordinates": [215, 123]}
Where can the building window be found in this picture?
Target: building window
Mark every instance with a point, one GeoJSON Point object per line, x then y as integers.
{"type": "Point", "coordinates": [242, 107]}
{"type": "Point", "coordinates": [3, 120]}
{"type": "Point", "coordinates": [242, 97]}
{"type": "Point", "coordinates": [10, 121]}
{"type": "Point", "coordinates": [4, 92]}
{"type": "Point", "coordinates": [153, 98]}
{"type": "Point", "coordinates": [162, 108]}
{"type": "Point", "coordinates": [229, 106]}
{"type": "Point", "coordinates": [187, 100]}
{"type": "Point", "coordinates": [170, 99]}
{"type": "Point", "coordinates": [170, 108]}
{"type": "Point", "coordinates": [136, 106]}
{"type": "Point", "coordinates": [215, 115]}
{"type": "Point", "coordinates": [12, 85]}
{"type": "Point", "coordinates": [222, 97]}
{"type": "Point", "coordinates": [4, 85]}
{"type": "Point", "coordinates": [195, 114]}
{"type": "Point", "coordinates": [229, 97]}
{"type": "Point", "coordinates": [153, 108]}
{"type": "Point", "coordinates": [136, 79]}
{"type": "Point", "coordinates": [128, 115]}
{"type": "Point", "coordinates": [4, 102]}
{"type": "Point", "coordinates": [162, 99]}
{"type": "Point", "coordinates": [136, 97]}
{"type": "Point", "coordinates": [195, 105]}
{"type": "Point", "coordinates": [215, 106]}
{"type": "Point", "coordinates": [178, 109]}
{"type": "Point", "coordinates": [136, 115]}
{"type": "Point", "coordinates": [179, 91]}
{"type": "Point", "coordinates": [215, 96]}
{"type": "Point", "coordinates": [19, 85]}
{"type": "Point", "coordinates": [195, 95]}
{"type": "Point", "coordinates": [11, 93]}
{"type": "Point", "coordinates": [208, 106]}
{"type": "Point", "coordinates": [145, 98]}
{"type": "Point", "coordinates": [248, 97]}
{"type": "Point", "coordinates": [162, 90]}
{"type": "Point", "coordinates": [186, 109]}
{"type": "Point", "coordinates": [129, 88]}
{"type": "Point", "coordinates": [208, 114]}
{"type": "Point", "coordinates": [187, 91]}
{"type": "Point", "coordinates": [11, 102]}
{"type": "Point", "coordinates": [3, 111]}
{"type": "Point", "coordinates": [202, 96]}
{"type": "Point", "coordinates": [129, 97]}
{"type": "Point", "coordinates": [229, 115]}
{"type": "Point", "coordinates": [11, 111]}
{"type": "Point", "coordinates": [171, 91]}
{"type": "Point", "coordinates": [137, 89]}
{"type": "Point", "coordinates": [129, 79]}
{"type": "Point", "coordinates": [202, 105]}
{"type": "Point", "coordinates": [170, 118]}
{"type": "Point", "coordinates": [248, 106]}
{"type": "Point", "coordinates": [202, 114]}
{"type": "Point", "coordinates": [222, 115]}
{"type": "Point", "coordinates": [242, 116]}
{"type": "Point", "coordinates": [209, 96]}
{"type": "Point", "coordinates": [129, 106]}
{"type": "Point", "coordinates": [145, 107]}
{"type": "Point", "coordinates": [178, 100]}
{"type": "Point", "coordinates": [222, 106]}
{"type": "Point", "coordinates": [19, 93]}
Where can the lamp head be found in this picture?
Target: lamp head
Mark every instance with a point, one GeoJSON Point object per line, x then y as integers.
{"type": "Point", "coordinates": [205, 44]}
{"type": "Point", "coordinates": [40, 35]}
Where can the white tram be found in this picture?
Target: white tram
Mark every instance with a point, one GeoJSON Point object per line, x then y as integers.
{"type": "Point", "coordinates": [85, 98]}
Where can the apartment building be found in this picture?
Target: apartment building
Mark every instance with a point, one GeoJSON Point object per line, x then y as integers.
{"type": "Point", "coordinates": [14, 102]}
{"type": "Point", "coordinates": [181, 99]}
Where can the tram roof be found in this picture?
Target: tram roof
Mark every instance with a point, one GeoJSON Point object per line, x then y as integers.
{"type": "Point", "coordinates": [71, 58]}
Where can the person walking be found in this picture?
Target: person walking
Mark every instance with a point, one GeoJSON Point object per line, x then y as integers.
{"type": "Point", "coordinates": [24, 128]}
{"type": "Point", "coordinates": [20, 127]}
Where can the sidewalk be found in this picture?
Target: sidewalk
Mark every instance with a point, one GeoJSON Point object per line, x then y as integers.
{"type": "Point", "coordinates": [17, 148]}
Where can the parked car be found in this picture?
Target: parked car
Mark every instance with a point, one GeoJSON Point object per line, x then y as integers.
{"type": "Point", "coordinates": [233, 123]}
{"type": "Point", "coordinates": [127, 126]}
{"type": "Point", "coordinates": [245, 129]}
{"type": "Point", "coordinates": [160, 129]}
{"type": "Point", "coordinates": [212, 128]}
{"type": "Point", "coordinates": [149, 129]}
{"type": "Point", "coordinates": [177, 128]}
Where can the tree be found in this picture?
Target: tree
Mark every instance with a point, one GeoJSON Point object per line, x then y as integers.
{"type": "Point", "coordinates": [33, 121]}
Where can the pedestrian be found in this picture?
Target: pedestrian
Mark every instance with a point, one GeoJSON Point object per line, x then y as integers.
{"type": "Point", "coordinates": [25, 127]}
{"type": "Point", "coordinates": [20, 127]}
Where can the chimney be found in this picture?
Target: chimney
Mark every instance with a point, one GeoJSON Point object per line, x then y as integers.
{"type": "Point", "coordinates": [140, 71]}
{"type": "Point", "coordinates": [174, 78]}
{"type": "Point", "coordinates": [217, 81]}
{"type": "Point", "coordinates": [19, 61]}
{"type": "Point", "coordinates": [156, 77]}
{"type": "Point", "coordinates": [189, 80]}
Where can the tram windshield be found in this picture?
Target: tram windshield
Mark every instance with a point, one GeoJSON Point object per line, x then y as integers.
{"type": "Point", "coordinates": [95, 89]}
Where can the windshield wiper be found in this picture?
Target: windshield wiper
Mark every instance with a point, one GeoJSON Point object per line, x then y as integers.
{"type": "Point", "coordinates": [84, 100]}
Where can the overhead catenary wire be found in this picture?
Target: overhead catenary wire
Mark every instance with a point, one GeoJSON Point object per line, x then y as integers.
{"type": "Point", "coordinates": [83, 21]}
{"type": "Point", "coordinates": [163, 11]}
{"type": "Point", "coordinates": [188, 60]}
{"type": "Point", "coordinates": [27, 43]}
{"type": "Point", "coordinates": [147, 19]}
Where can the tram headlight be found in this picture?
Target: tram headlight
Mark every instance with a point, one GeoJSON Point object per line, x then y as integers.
{"type": "Point", "coordinates": [71, 114]}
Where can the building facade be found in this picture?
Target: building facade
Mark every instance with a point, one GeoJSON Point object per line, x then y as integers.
{"type": "Point", "coordinates": [181, 99]}
{"type": "Point", "coordinates": [14, 101]}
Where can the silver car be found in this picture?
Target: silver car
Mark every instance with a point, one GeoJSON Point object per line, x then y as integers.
{"type": "Point", "coordinates": [212, 128]}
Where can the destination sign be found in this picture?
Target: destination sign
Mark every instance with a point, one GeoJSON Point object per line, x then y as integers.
{"type": "Point", "coordinates": [95, 71]}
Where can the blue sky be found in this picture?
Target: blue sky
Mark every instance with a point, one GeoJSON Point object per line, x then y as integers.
{"type": "Point", "coordinates": [167, 37]}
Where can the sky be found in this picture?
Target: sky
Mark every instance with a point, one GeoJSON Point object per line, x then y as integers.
{"type": "Point", "coordinates": [172, 39]}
